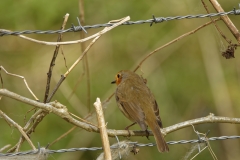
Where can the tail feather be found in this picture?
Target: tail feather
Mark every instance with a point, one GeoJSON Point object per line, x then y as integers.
{"type": "Point", "coordinates": [161, 144]}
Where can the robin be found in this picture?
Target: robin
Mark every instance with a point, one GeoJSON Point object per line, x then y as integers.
{"type": "Point", "coordinates": [138, 104]}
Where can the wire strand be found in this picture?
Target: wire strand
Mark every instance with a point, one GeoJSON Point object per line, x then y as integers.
{"type": "Point", "coordinates": [151, 21]}
{"type": "Point", "coordinates": [46, 151]}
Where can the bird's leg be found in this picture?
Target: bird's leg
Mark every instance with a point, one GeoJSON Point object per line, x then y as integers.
{"type": "Point", "coordinates": [127, 128]}
{"type": "Point", "coordinates": [147, 132]}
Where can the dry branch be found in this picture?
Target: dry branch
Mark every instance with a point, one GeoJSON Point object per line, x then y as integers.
{"type": "Point", "coordinates": [5, 147]}
{"type": "Point", "coordinates": [173, 41]}
{"type": "Point", "coordinates": [52, 64]}
{"type": "Point", "coordinates": [83, 47]}
{"type": "Point", "coordinates": [24, 80]}
{"type": "Point", "coordinates": [12, 123]}
{"type": "Point", "coordinates": [106, 29]}
{"type": "Point", "coordinates": [103, 130]}
{"type": "Point", "coordinates": [61, 111]}
{"type": "Point", "coordinates": [215, 24]}
{"type": "Point", "coordinates": [226, 20]}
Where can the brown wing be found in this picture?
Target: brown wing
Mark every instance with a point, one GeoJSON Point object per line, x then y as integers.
{"type": "Point", "coordinates": [153, 102]}
{"type": "Point", "coordinates": [156, 111]}
{"type": "Point", "coordinates": [129, 104]}
{"type": "Point", "coordinates": [154, 106]}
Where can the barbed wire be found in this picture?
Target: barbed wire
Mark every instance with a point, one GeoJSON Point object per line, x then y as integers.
{"type": "Point", "coordinates": [43, 150]}
{"type": "Point", "coordinates": [151, 21]}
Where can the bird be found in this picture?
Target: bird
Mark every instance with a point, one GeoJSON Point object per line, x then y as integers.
{"type": "Point", "coordinates": [138, 104]}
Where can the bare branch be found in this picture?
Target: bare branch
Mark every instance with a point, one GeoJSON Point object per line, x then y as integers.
{"type": "Point", "coordinates": [208, 119]}
{"type": "Point", "coordinates": [106, 29]}
{"type": "Point", "coordinates": [173, 41]}
{"type": "Point", "coordinates": [12, 123]}
{"type": "Point", "coordinates": [61, 111]}
{"type": "Point", "coordinates": [215, 24]}
{"type": "Point", "coordinates": [226, 20]}
{"type": "Point", "coordinates": [52, 64]}
{"type": "Point", "coordinates": [5, 147]}
{"type": "Point", "coordinates": [15, 75]}
{"type": "Point", "coordinates": [62, 136]}
{"type": "Point", "coordinates": [85, 60]}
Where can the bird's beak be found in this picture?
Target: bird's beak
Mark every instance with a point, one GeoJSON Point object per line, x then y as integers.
{"type": "Point", "coordinates": [113, 82]}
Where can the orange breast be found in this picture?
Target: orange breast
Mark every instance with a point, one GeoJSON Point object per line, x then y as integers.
{"type": "Point", "coordinates": [118, 80]}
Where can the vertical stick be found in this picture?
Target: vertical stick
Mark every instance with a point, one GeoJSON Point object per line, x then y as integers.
{"type": "Point", "coordinates": [52, 64]}
{"type": "Point", "coordinates": [85, 59]}
{"type": "Point", "coordinates": [103, 130]}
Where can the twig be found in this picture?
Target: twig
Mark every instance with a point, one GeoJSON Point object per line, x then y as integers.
{"type": "Point", "coordinates": [63, 135]}
{"type": "Point", "coordinates": [82, 120]}
{"type": "Point", "coordinates": [210, 150]}
{"type": "Point", "coordinates": [199, 152]}
{"type": "Point", "coordinates": [15, 75]}
{"type": "Point", "coordinates": [32, 119]}
{"type": "Point", "coordinates": [75, 86]}
{"type": "Point", "coordinates": [12, 123]}
{"type": "Point", "coordinates": [73, 128]}
{"type": "Point", "coordinates": [192, 150]}
{"type": "Point", "coordinates": [5, 147]}
{"type": "Point", "coordinates": [61, 111]}
{"type": "Point", "coordinates": [106, 29]}
{"type": "Point", "coordinates": [28, 129]}
{"type": "Point", "coordinates": [215, 24]}
{"type": "Point", "coordinates": [108, 99]}
{"type": "Point", "coordinates": [103, 130]}
{"type": "Point", "coordinates": [85, 59]}
{"type": "Point", "coordinates": [226, 20]}
{"type": "Point", "coordinates": [208, 119]}
{"type": "Point", "coordinates": [207, 143]}
{"type": "Point", "coordinates": [196, 146]}
{"type": "Point", "coordinates": [52, 64]}
{"type": "Point", "coordinates": [57, 43]}
{"type": "Point", "coordinates": [173, 41]}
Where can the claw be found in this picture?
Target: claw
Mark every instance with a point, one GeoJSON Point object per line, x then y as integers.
{"type": "Point", "coordinates": [147, 132]}
{"type": "Point", "coordinates": [127, 128]}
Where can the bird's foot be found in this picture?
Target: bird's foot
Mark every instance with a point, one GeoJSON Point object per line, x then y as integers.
{"type": "Point", "coordinates": [147, 134]}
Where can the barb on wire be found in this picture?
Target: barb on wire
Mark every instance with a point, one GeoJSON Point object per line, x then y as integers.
{"type": "Point", "coordinates": [79, 27]}
{"type": "Point", "coordinates": [157, 20]}
{"type": "Point", "coordinates": [151, 21]}
{"type": "Point", "coordinates": [236, 11]}
{"type": "Point", "coordinates": [43, 149]}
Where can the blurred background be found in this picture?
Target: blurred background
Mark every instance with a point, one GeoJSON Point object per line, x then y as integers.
{"type": "Point", "coordinates": [189, 79]}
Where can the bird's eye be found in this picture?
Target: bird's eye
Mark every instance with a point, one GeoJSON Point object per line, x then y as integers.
{"type": "Point", "coordinates": [118, 75]}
